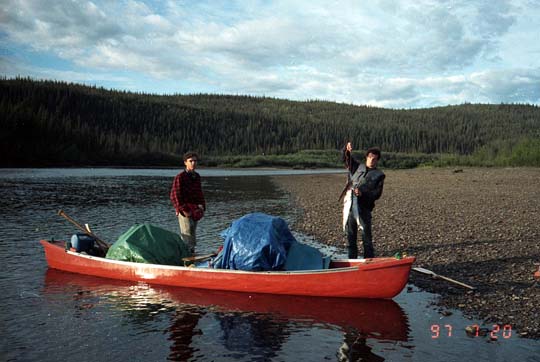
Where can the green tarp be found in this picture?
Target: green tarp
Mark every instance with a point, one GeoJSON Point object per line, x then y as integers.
{"type": "Point", "coordinates": [146, 243]}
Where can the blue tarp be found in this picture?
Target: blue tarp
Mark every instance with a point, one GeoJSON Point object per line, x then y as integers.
{"type": "Point", "coordinates": [256, 242]}
{"type": "Point", "coordinates": [305, 257]}
{"type": "Point", "coordinates": [259, 241]}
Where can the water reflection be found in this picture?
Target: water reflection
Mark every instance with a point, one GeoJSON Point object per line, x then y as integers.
{"type": "Point", "coordinates": [259, 336]}
{"type": "Point", "coordinates": [251, 324]}
{"type": "Point", "coordinates": [356, 348]}
{"type": "Point", "coordinates": [182, 331]}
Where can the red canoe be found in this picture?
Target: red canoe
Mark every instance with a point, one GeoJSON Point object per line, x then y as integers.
{"type": "Point", "coordinates": [351, 278]}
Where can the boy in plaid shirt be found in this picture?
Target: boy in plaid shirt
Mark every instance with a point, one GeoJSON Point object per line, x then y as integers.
{"type": "Point", "coordinates": [188, 199]}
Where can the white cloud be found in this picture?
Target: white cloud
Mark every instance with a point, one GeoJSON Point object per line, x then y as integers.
{"type": "Point", "coordinates": [389, 53]}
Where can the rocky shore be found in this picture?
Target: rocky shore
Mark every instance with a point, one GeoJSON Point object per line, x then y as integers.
{"type": "Point", "coordinates": [478, 226]}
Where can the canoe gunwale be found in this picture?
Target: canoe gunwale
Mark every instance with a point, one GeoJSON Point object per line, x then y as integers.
{"type": "Point", "coordinates": [212, 270]}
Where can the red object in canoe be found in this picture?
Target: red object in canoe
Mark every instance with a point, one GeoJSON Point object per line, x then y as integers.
{"type": "Point", "coordinates": [351, 278]}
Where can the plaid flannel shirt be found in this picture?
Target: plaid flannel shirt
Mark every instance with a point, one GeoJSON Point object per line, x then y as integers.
{"type": "Point", "coordinates": [186, 189]}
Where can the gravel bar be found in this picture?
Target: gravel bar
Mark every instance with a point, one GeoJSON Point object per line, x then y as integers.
{"type": "Point", "coordinates": [480, 226]}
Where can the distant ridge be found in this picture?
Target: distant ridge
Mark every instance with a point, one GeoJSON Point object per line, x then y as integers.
{"type": "Point", "coordinates": [57, 123]}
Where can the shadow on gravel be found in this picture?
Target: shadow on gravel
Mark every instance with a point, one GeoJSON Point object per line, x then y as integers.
{"type": "Point", "coordinates": [487, 276]}
{"type": "Point", "coordinates": [430, 248]}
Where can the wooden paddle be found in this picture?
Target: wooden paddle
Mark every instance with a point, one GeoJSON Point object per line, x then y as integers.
{"type": "Point", "coordinates": [437, 276]}
{"type": "Point", "coordinates": [101, 244]}
{"type": "Point", "coordinates": [195, 258]}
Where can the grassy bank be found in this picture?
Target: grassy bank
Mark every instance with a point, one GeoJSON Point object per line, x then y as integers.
{"type": "Point", "coordinates": [525, 152]}
{"type": "Point", "coordinates": [314, 159]}
{"type": "Point", "coordinates": [498, 154]}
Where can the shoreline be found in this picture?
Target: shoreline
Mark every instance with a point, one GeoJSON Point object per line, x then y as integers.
{"type": "Point", "coordinates": [475, 225]}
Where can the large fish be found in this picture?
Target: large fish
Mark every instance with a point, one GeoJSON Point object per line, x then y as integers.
{"type": "Point", "coordinates": [350, 202]}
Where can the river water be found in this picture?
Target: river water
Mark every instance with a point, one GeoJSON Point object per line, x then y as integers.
{"type": "Point", "coordinates": [49, 315]}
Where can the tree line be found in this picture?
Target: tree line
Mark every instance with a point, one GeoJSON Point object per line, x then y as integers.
{"type": "Point", "coordinates": [47, 123]}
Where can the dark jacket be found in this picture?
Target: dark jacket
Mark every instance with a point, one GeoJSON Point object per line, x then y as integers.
{"type": "Point", "coordinates": [370, 181]}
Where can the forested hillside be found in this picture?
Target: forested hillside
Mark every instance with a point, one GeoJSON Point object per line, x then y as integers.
{"type": "Point", "coordinates": [56, 123]}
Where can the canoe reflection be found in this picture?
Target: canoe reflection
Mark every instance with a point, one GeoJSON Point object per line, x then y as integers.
{"type": "Point", "coordinates": [374, 318]}
{"type": "Point", "coordinates": [239, 313]}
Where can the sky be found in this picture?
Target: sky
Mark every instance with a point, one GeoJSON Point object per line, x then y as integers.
{"type": "Point", "coordinates": [382, 53]}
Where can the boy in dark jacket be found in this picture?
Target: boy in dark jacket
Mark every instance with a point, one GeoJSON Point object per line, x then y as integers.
{"type": "Point", "coordinates": [365, 186]}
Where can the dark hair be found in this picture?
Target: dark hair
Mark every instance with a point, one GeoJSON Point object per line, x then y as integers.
{"type": "Point", "coordinates": [375, 150]}
{"type": "Point", "coordinates": [190, 154]}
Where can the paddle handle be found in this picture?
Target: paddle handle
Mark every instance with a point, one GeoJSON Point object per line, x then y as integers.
{"type": "Point", "coordinates": [455, 282]}
{"type": "Point", "coordinates": [102, 244]}
{"type": "Point", "coordinates": [434, 275]}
